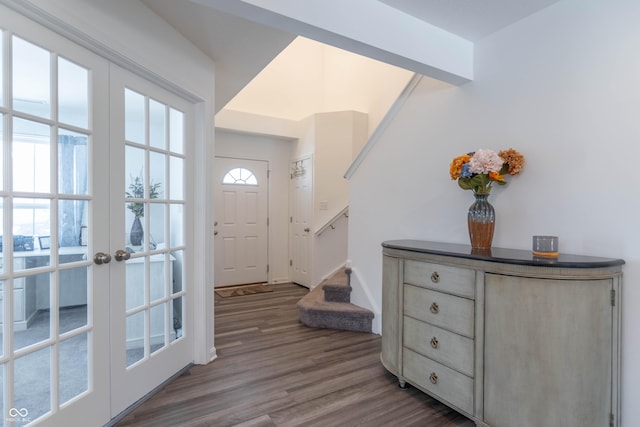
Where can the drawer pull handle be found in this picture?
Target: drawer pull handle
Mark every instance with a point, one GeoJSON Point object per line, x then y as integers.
{"type": "Point", "coordinates": [434, 308]}
{"type": "Point", "coordinates": [433, 378]}
{"type": "Point", "coordinates": [434, 342]}
{"type": "Point", "coordinates": [435, 277]}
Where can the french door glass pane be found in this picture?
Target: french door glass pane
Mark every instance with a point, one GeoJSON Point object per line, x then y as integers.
{"type": "Point", "coordinates": [2, 266]}
{"type": "Point", "coordinates": [176, 170]}
{"type": "Point", "coordinates": [176, 120]}
{"type": "Point", "coordinates": [31, 156]}
{"type": "Point", "coordinates": [31, 320]}
{"type": "Point", "coordinates": [32, 383]}
{"type": "Point", "coordinates": [2, 368]}
{"type": "Point", "coordinates": [73, 286]}
{"type": "Point", "coordinates": [1, 131]}
{"type": "Point", "coordinates": [135, 289]}
{"type": "Point", "coordinates": [73, 159]}
{"type": "Point", "coordinates": [177, 286]}
{"type": "Point", "coordinates": [156, 225]}
{"type": "Point", "coordinates": [176, 316]}
{"type": "Point", "coordinates": [2, 35]}
{"type": "Point", "coordinates": [74, 367]}
{"type": "Point", "coordinates": [31, 78]}
{"type": "Point", "coordinates": [134, 125]}
{"type": "Point", "coordinates": [176, 223]}
{"type": "Point", "coordinates": [157, 319]}
{"type": "Point", "coordinates": [31, 219]}
{"type": "Point", "coordinates": [3, 315]}
{"type": "Point", "coordinates": [157, 124]}
{"type": "Point", "coordinates": [157, 174]}
{"type": "Point", "coordinates": [73, 94]}
{"type": "Point", "coordinates": [157, 282]}
{"type": "Point", "coordinates": [135, 338]}
{"type": "Point", "coordinates": [72, 220]}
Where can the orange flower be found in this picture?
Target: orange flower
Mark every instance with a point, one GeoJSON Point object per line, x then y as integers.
{"type": "Point", "coordinates": [514, 159]}
{"type": "Point", "coordinates": [456, 165]}
{"type": "Point", "coordinates": [495, 176]}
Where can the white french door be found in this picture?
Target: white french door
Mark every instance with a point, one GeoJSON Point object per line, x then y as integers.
{"type": "Point", "coordinates": [241, 211]}
{"type": "Point", "coordinates": [92, 317]}
{"type": "Point", "coordinates": [54, 309]}
{"type": "Point", "coordinates": [149, 293]}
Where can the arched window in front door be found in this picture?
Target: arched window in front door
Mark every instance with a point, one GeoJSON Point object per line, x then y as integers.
{"type": "Point", "coordinates": [240, 176]}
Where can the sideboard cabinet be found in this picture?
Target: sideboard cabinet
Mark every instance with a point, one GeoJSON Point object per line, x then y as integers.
{"type": "Point", "coordinates": [503, 337]}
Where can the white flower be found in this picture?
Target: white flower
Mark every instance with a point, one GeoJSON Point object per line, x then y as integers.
{"type": "Point", "coordinates": [485, 161]}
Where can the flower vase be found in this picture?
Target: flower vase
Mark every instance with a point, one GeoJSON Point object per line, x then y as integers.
{"type": "Point", "coordinates": [137, 233]}
{"type": "Point", "coordinates": [481, 220]}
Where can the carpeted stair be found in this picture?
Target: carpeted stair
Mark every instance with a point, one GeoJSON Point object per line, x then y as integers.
{"type": "Point", "coordinates": [328, 306]}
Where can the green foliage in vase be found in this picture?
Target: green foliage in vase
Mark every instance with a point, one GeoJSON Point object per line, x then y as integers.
{"type": "Point", "coordinates": [136, 191]}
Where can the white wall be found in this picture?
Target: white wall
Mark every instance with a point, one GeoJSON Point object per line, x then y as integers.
{"type": "Point", "coordinates": [562, 87]}
{"type": "Point", "coordinates": [277, 152]}
{"type": "Point", "coordinates": [354, 82]}
{"type": "Point", "coordinates": [334, 137]}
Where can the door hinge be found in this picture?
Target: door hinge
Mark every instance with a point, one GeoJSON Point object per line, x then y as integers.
{"type": "Point", "coordinates": [267, 268]}
{"type": "Point", "coordinates": [267, 221]}
{"type": "Point", "coordinates": [613, 300]}
{"type": "Point", "coordinates": [290, 263]}
{"type": "Point", "coordinates": [611, 419]}
{"type": "Point", "coordinates": [291, 219]}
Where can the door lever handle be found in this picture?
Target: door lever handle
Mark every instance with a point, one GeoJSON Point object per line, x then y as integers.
{"type": "Point", "coordinates": [101, 258]}
{"type": "Point", "coordinates": [122, 255]}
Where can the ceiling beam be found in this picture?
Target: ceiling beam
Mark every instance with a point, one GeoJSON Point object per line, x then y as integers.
{"type": "Point", "coordinates": [366, 27]}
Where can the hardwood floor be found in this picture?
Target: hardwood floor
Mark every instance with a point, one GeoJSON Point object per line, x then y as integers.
{"type": "Point", "coordinates": [273, 371]}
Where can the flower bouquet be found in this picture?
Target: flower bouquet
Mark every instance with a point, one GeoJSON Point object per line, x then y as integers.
{"type": "Point", "coordinates": [478, 170]}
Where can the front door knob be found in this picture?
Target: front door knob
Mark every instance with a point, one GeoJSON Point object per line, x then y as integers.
{"type": "Point", "coordinates": [122, 255]}
{"type": "Point", "coordinates": [101, 258]}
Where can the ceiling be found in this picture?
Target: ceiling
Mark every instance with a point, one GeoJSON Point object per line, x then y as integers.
{"type": "Point", "coordinates": [241, 48]}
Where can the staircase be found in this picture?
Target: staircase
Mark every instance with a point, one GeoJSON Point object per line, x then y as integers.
{"type": "Point", "coordinates": [328, 306]}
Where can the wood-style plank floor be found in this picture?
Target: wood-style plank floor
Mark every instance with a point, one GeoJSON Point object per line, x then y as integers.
{"type": "Point", "coordinates": [273, 371]}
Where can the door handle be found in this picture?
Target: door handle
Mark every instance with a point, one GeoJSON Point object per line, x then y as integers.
{"type": "Point", "coordinates": [101, 258]}
{"type": "Point", "coordinates": [122, 255]}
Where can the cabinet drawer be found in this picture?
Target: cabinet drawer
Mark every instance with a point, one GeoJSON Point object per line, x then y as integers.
{"type": "Point", "coordinates": [452, 386]}
{"type": "Point", "coordinates": [447, 311]}
{"type": "Point", "coordinates": [454, 280]}
{"type": "Point", "coordinates": [443, 346]}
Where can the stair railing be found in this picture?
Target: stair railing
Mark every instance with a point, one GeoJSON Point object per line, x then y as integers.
{"type": "Point", "coordinates": [330, 224]}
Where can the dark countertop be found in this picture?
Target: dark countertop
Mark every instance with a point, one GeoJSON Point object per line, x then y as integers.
{"type": "Point", "coordinates": [502, 255]}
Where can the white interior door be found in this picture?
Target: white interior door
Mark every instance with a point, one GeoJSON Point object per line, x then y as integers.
{"type": "Point", "coordinates": [53, 210]}
{"type": "Point", "coordinates": [241, 216]}
{"type": "Point", "coordinates": [150, 309]}
{"type": "Point", "coordinates": [302, 199]}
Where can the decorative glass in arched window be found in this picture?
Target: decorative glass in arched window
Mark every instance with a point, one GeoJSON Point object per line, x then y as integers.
{"type": "Point", "coordinates": [240, 176]}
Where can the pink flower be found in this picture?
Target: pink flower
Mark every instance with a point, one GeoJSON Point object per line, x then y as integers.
{"type": "Point", "coordinates": [485, 161]}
